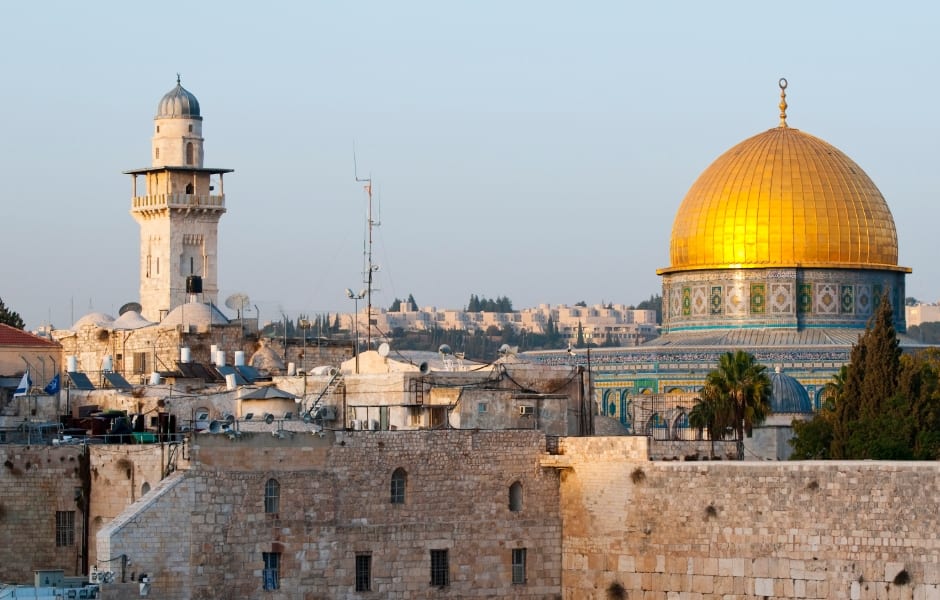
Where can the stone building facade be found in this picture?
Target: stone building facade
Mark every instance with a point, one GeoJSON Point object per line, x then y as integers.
{"type": "Point", "coordinates": [474, 501]}
{"type": "Point", "coordinates": [594, 516]}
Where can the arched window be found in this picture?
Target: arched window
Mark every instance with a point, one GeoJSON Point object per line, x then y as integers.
{"type": "Point", "coordinates": [157, 153]}
{"type": "Point", "coordinates": [189, 153]}
{"type": "Point", "coordinates": [144, 489]}
{"type": "Point", "coordinates": [399, 482]}
{"type": "Point", "coordinates": [189, 187]}
{"type": "Point", "coordinates": [515, 497]}
{"type": "Point", "coordinates": [272, 497]}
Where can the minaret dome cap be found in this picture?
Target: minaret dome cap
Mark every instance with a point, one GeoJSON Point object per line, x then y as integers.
{"type": "Point", "coordinates": [178, 103]}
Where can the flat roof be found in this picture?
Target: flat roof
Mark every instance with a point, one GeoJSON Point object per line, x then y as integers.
{"type": "Point", "coordinates": [210, 170]}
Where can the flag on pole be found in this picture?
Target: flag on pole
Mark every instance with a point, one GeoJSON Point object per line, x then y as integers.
{"type": "Point", "coordinates": [23, 388]}
{"type": "Point", "coordinates": [52, 388]}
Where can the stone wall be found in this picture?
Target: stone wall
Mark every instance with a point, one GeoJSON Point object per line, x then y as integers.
{"type": "Point", "coordinates": [334, 503]}
{"type": "Point", "coordinates": [35, 482]}
{"type": "Point", "coordinates": [745, 529]}
{"type": "Point", "coordinates": [120, 475]}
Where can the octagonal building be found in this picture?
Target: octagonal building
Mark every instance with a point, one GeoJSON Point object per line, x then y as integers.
{"type": "Point", "coordinates": [783, 247]}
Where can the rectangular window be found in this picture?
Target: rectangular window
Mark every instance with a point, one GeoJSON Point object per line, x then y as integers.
{"type": "Point", "coordinates": [481, 407]}
{"type": "Point", "coordinates": [415, 413]}
{"type": "Point", "coordinates": [272, 570]}
{"type": "Point", "coordinates": [518, 565]}
{"type": "Point", "coordinates": [440, 569]}
{"type": "Point", "coordinates": [64, 528]}
{"type": "Point", "coordinates": [363, 572]}
{"type": "Point", "coordinates": [140, 362]}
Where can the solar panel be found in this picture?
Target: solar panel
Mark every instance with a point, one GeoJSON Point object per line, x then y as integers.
{"type": "Point", "coordinates": [227, 370]}
{"type": "Point", "coordinates": [250, 373]}
{"type": "Point", "coordinates": [117, 381]}
{"type": "Point", "coordinates": [205, 373]}
{"type": "Point", "coordinates": [80, 381]}
{"type": "Point", "coordinates": [187, 370]}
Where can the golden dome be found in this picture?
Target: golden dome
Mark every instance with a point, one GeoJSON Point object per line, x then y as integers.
{"type": "Point", "coordinates": [783, 198]}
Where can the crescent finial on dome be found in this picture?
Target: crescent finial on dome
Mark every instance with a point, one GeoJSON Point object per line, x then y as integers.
{"type": "Point", "coordinates": [177, 79]}
{"type": "Point", "coordinates": [783, 101]}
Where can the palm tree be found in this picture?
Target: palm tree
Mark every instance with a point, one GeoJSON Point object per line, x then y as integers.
{"type": "Point", "coordinates": [744, 383]}
{"type": "Point", "coordinates": [711, 413]}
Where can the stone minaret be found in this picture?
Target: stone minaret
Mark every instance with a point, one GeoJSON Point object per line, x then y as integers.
{"type": "Point", "coordinates": [179, 211]}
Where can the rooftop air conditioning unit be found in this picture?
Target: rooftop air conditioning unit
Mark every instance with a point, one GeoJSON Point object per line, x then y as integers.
{"type": "Point", "coordinates": [526, 410]}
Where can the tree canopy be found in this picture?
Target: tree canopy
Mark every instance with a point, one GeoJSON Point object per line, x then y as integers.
{"type": "Point", "coordinates": [882, 405]}
{"type": "Point", "coordinates": [10, 317]}
{"type": "Point", "coordinates": [501, 304]}
{"type": "Point", "coordinates": [735, 398]}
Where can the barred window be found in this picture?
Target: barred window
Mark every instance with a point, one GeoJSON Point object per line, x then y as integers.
{"type": "Point", "coordinates": [518, 565]}
{"type": "Point", "coordinates": [440, 568]}
{"type": "Point", "coordinates": [64, 528]}
{"type": "Point", "coordinates": [363, 572]}
{"type": "Point", "coordinates": [272, 570]}
{"type": "Point", "coordinates": [399, 483]}
{"type": "Point", "coordinates": [272, 497]}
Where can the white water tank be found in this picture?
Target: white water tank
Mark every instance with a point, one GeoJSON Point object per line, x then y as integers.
{"type": "Point", "coordinates": [323, 370]}
{"type": "Point", "coordinates": [291, 369]}
{"type": "Point", "coordinates": [72, 362]}
{"type": "Point", "coordinates": [212, 350]}
{"type": "Point", "coordinates": [154, 378]}
{"type": "Point", "coordinates": [107, 365]}
{"type": "Point", "coordinates": [185, 355]}
{"type": "Point", "coordinates": [230, 381]}
{"type": "Point", "coordinates": [219, 357]}
{"type": "Point", "coordinates": [239, 358]}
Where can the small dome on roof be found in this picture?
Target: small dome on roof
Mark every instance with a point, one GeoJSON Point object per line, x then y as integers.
{"type": "Point", "coordinates": [266, 359]}
{"type": "Point", "coordinates": [178, 102]}
{"type": "Point", "coordinates": [97, 319]}
{"type": "Point", "coordinates": [130, 320]}
{"type": "Point", "coordinates": [194, 314]}
{"type": "Point", "coordinates": [788, 395]}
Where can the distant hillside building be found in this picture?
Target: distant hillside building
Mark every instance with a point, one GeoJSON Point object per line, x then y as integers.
{"type": "Point", "coordinates": [612, 324]}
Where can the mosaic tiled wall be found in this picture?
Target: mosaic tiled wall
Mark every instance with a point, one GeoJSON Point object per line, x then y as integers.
{"type": "Point", "coordinates": [778, 298]}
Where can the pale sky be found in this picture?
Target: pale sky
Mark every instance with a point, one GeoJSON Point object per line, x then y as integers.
{"type": "Point", "coordinates": [536, 150]}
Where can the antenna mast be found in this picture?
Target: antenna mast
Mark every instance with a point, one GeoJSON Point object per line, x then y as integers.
{"type": "Point", "coordinates": [370, 268]}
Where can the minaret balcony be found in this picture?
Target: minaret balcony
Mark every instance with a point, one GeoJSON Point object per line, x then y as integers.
{"type": "Point", "coordinates": [178, 201]}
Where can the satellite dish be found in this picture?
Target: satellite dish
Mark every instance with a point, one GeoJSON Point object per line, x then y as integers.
{"type": "Point", "coordinates": [130, 306]}
{"type": "Point", "coordinates": [237, 302]}
{"type": "Point", "coordinates": [384, 349]}
{"type": "Point", "coordinates": [444, 349]}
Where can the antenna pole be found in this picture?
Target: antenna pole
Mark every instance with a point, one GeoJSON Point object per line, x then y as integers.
{"type": "Point", "coordinates": [370, 268]}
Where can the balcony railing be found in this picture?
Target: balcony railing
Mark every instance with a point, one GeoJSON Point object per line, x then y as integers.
{"type": "Point", "coordinates": [177, 201]}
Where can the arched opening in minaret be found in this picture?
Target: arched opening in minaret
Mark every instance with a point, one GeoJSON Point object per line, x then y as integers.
{"type": "Point", "coordinates": [189, 188]}
{"type": "Point", "coordinates": [189, 153]}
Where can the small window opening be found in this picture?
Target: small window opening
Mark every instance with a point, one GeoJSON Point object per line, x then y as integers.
{"type": "Point", "coordinates": [363, 572]}
{"type": "Point", "coordinates": [515, 497]}
{"type": "Point", "coordinates": [272, 570]}
{"type": "Point", "coordinates": [440, 568]}
{"type": "Point", "coordinates": [518, 566]}
{"type": "Point", "coordinates": [272, 497]}
{"type": "Point", "coordinates": [399, 482]}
